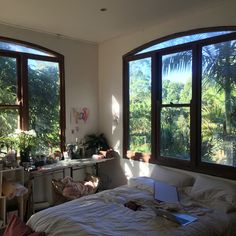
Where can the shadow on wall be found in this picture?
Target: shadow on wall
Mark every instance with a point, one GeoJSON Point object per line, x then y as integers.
{"type": "Point", "coordinates": [111, 173]}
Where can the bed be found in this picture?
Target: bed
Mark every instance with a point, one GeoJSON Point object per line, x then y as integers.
{"type": "Point", "coordinates": [105, 213]}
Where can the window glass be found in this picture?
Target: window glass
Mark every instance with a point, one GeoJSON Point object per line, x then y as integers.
{"type": "Point", "coordinates": [140, 105]}
{"type": "Point", "coordinates": [182, 40]}
{"type": "Point", "coordinates": [177, 78]}
{"type": "Point", "coordinates": [20, 48]}
{"type": "Point", "coordinates": [219, 103]}
{"type": "Point", "coordinates": [175, 133]}
{"type": "Point", "coordinates": [31, 99]}
{"type": "Point", "coordinates": [8, 121]}
{"type": "Point", "coordinates": [176, 90]}
{"type": "Point", "coordinates": [44, 102]}
{"type": "Point", "coordinates": [8, 80]}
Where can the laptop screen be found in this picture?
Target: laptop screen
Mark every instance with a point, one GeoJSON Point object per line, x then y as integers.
{"type": "Point", "coordinates": [165, 192]}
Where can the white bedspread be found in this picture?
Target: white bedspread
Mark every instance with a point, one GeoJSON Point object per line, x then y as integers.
{"type": "Point", "coordinates": [104, 214]}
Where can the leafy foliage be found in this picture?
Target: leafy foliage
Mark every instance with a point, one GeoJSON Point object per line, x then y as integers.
{"type": "Point", "coordinates": [140, 106]}
{"type": "Point", "coordinates": [95, 142]}
{"type": "Point", "coordinates": [218, 108]}
{"type": "Point", "coordinates": [44, 101]}
{"type": "Point", "coordinates": [8, 95]}
{"type": "Point", "coordinates": [24, 140]}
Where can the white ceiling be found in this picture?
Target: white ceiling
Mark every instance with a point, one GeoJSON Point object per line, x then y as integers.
{"type": "Point", "coordinates": [83, 20]}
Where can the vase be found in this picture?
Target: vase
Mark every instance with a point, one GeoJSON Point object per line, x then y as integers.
{"type": "Point", "coordinates": [25, 156]}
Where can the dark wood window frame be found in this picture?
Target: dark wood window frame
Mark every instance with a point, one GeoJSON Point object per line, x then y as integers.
{"type": "Point", "coordinates": [22, 81]}
{"type": "Point", "coordinates": [195, 164]}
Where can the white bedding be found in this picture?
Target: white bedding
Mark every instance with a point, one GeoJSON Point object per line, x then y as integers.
{"type": "Point", "coordinates": [104, 214]}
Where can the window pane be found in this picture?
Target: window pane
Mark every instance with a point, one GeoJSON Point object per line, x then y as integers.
{"type": "Point", "coordinates": [177, 78]}
{"type": "Point", "coordinates": [8, 125]}
{"type": "Point", "coordinates": [219, 103]}
{"type": "Point", "coordinates": [8, 121]}
{"type": "Point", "coordinates": [44, 102]}
{"type": "Point", "coordinates": [8, 80]}
{"type": "Point", "coordinates": [20, 48]}
{"type": "Point", "coordinates": [175, 133]}
{"type": "Point", "coordinates": [140, 105]}
{"type": "Point", "coordinates": [184, 39]}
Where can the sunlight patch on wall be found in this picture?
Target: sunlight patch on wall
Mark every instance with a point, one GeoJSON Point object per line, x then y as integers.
{"type": "Point", "coordinates": [144, 169]}
{"type": "Point", "coordinates": [115, 113]}
{"type": "Point", "coordinates": [136, 168]}
{"type": "Point", "coordinates": [117, 146]}
{"type": "Point", "coordinates": [129, 167]}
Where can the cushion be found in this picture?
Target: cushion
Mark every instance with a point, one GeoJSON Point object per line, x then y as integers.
{"type": "Point", "coordinates": [220, 193]}
{"type": "Point", "coordinates": [178, 179]}
{"type": "Point", "coordinates": [144, 183]}
{"type": "Point", "coordinates": [19, 228]}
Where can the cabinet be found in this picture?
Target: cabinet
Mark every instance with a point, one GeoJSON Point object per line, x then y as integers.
{"type": "Point", "coordinates": [13, 175]}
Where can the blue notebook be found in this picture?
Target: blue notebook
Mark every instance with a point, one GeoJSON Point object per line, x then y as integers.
{"type": "Point", "coordinates": [179, 218]}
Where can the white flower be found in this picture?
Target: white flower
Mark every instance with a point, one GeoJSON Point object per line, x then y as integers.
{"type": "Point", "coordinates": [31, 133]}
{"type": "Point", "coordinates": [24, 139]}
{"type": "Point", "coordinates": [18, 131]}
{"type": "Point", "coordinates": [28, 133]}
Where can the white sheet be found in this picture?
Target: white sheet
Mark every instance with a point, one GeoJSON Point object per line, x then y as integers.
{"type": "Point", "coordinates": [104, 214]}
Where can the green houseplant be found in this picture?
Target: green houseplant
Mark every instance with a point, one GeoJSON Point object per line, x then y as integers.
{"type": "Point", "coordinates": [94, 143]}
{"type": "Point", "coordinates": [25, 142]}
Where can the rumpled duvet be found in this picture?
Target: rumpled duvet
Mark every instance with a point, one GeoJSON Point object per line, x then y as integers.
{"type": "Point", "coordinates": [104, 213]}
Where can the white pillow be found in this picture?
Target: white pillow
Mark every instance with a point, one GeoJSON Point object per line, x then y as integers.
{"type": "Point", "coordinates": [144, 183]}
{"type": "Point", "coordinates": [214, 190]}
{"type": "Point", "coordinates": [172, 177]}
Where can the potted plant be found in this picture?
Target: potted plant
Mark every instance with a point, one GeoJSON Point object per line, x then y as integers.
{"type": "Point", "coordinates": [94, 143]}
{"type": "Point", "coordinates": [25, 142]}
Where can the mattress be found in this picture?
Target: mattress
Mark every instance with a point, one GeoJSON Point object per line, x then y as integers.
{"type": "Point", "coordinates": [104, 213]}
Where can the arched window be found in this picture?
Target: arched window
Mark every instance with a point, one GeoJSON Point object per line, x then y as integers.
{"type": "Point", "coordinates": [32, 92]}
{"type": "Point", "coordinates": [180, 101]}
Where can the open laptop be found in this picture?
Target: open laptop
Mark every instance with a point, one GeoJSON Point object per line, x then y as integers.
{"type": "Point", "coordinates": [165, 192]}
{"type": "Point", "coordinates": [168, 193]}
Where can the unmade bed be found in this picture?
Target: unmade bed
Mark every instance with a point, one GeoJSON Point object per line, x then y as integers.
{"type": "Point", "coordinates": [105, 213]}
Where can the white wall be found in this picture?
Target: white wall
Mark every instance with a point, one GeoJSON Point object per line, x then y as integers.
{"type": "Point", "coordinates": [110, 67]}
{"type": "Point", "coordinates": [81, 74]}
